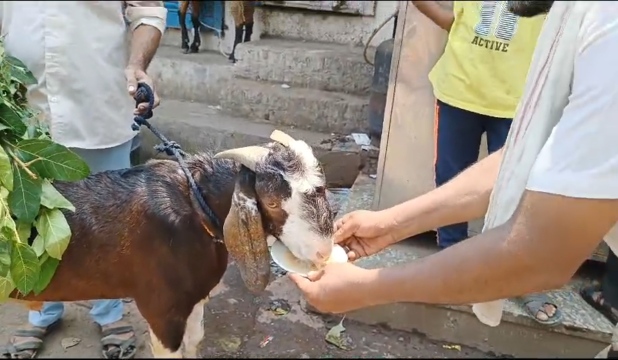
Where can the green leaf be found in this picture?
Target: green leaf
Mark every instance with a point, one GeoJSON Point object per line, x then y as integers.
{"type": "Point", "coordinates": [24, 268]}
{"type": "Point", "coordinates": [5, 257]}
{"type": "Point", "coordinates": [6, 174]}
{"type": "Point", "coordinates": [25, 199]}
{"type": "Point", "coordinates": [52, 198]}
{"type": "Point", "coordinates": [53, 161]}
{"type": "Point", "coordinates": [48, 269]}
{"type": "Point", "coordinates": [11, 118]}
{"type": "Point", "coordinates": [54, 228]}
{"type": "Point", "coordinates": [38, 245]}
{"type": "Point", "coordinates": [20, 71]}
{"type": "Point", "coordinates": [24, 230]}
{"type": "Point", "coordinates": [6, 287]}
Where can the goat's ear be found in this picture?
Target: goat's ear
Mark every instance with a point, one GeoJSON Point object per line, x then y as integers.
{"type": "Point", "coordinates": [244, 233]}
{"type": "Point", "coordinates": [248, 156]}
{"type": "Point", "coordinates": [281, 137]}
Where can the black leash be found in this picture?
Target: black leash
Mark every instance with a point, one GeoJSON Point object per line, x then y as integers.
{"type": "Point", "coordinates": [145, 94]}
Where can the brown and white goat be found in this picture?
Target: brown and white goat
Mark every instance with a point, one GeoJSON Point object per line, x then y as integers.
{"type": "Point", "coordinates": [139, 233]}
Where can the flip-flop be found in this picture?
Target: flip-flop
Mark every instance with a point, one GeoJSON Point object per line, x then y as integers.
{"type": "Point", "coordinates": [27, 349]}
{"type": "Point", "coordinates": [599, 304]}
{"type": "Point", "coordinates": [535, 303]}
{"type": "Point", "coordinates": [116, 348]}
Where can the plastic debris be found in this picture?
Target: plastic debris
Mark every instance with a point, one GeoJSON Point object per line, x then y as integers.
{"type": "Point", "coordinates": [266, 341]}
{"type": "Point", "coordinates": [452, 347]}
{"type": "Point", "coordinates": [69, 342]}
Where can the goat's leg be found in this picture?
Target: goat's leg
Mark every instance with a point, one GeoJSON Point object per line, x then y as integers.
{"type": "Point", "coordinates": [167, 320]}
{"type": "Point", "coordinates": [194, 331]}
{"type": "Point", "coordinates": [182, 14]}
{"type": "Point", "coordinates": [195, 20]}
{"type": "Point", "coordinates": [237, 40]}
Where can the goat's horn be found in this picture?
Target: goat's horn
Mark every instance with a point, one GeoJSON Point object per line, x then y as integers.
{"type": "Point", "coordinates": [281, 137]}
{"type": "Point", "coordinates": [247, 156]}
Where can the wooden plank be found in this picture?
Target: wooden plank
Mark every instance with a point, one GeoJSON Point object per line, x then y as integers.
{"type": "Point", "coordinates": [405, 167]}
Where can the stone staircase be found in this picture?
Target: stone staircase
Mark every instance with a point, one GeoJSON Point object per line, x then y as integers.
{"type": "Point", "coordinates": [314, 91]}
{"type": "Point", "coordinates": [583, 333]}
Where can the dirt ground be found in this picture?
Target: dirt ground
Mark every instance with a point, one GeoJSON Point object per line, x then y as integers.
{"type": "Point", "coordinates": [239, 325]}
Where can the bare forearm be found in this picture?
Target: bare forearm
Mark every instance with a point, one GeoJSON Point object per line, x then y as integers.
{"type": "Point", "coordinates": [440, 15]}
{"type": "Point", "coordinates": [464, 198]}
{"type": "Point", "coordinates": [480, 269]}
{"type": "Point", "coordinates": [144, 45]}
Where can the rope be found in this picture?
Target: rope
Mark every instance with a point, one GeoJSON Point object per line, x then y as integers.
{"type": "Point", "coordinates": [144, 93]}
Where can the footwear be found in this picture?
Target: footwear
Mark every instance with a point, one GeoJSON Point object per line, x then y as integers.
{"type": "Point", "coordinates": [26, 342]}
{"type": "Point", "coordinates": [116, 344]}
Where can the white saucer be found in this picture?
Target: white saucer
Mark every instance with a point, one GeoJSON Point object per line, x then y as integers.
{"type": "Point", "coordinates": [288, 262]}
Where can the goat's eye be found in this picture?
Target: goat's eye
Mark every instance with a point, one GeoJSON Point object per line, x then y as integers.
{"type": "Point", "coordinates": [271, 204]}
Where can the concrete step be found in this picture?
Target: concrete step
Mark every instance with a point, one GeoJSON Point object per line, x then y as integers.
{"type": "Point", "coordinates": [321, 66]}
{"type": "Point", "coordinates": [207, 77]}
{"type": "Point", "coordinates": [583, 333]}
{"type": "Point", "coordinates": [308, 109]}
{"type": "Point", "coordinates": [199, 127]}
{"type": "Point", "coordinates": [192, 77]}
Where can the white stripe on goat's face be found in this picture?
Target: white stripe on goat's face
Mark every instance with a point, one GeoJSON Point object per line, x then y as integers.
{"type": "Point", "coordinates": [292, 186]}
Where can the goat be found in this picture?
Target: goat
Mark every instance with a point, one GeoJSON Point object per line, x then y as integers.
{"type": "Point", "coordinates": [242, 13]}
{"type": "Point", "coordinates": [138, 233]}
{"type": "Point", "coordinates": [196, 7]}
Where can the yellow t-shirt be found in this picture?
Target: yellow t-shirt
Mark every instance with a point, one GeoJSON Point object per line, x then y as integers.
{"type": "Point", "coordinates": [486, 59]}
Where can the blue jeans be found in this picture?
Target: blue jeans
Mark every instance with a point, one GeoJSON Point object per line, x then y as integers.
{"type": "Point", "coordinates": [458, 134]}
{"type": "Point", "coordinates": [103, 312]}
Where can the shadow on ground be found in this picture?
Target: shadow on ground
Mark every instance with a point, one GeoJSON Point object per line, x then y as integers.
{"type": "Point", "coordinates": [240, 325]}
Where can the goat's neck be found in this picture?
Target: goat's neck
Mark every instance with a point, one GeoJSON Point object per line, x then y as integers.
{"type": "Point", "coordinates": [216, 178]}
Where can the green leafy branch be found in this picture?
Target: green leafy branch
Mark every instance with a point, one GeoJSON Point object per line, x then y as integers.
{"type": "Point", "coordinates": [34, 232]}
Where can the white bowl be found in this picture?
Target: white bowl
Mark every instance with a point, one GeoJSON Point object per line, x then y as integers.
{"type": "Point", "coordinates": [290, 263]}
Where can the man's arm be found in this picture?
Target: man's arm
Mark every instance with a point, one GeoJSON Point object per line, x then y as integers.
{"type": "Point", "coordinates": [464, 198]}
{"type": "Point", "coordinates": [570, 204]}
{"type": "Point", "coordinates": [147, 22]}
{"type": "Point", "coordinates": [440, 15]}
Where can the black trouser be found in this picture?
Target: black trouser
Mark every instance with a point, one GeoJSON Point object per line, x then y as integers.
{"type": "Point", "coordinates": [609, 285]}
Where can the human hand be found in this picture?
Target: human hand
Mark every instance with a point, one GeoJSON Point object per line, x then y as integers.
{"type": "Point", "coordinates": [337, 288]}
{"type": "Point", "coordinates": [364, 233]}
{"type": "Point", "coordinates": [134, 76]}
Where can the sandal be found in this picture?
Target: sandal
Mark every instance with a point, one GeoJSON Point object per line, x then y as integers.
{"type": "Point", "coordinates": [593, 295]}
{"type": "Point", "coordinates": [27, 342]}
{"type": "Point", "coordinates": [535, 304]}
{"type": "Point", "coordinates": [115, 345]}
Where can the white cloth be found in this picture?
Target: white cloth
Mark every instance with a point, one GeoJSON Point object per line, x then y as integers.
{"type": "Point", "coordinates": [78, 51]}
{"type": "Point", "coordinates": [565, 133]}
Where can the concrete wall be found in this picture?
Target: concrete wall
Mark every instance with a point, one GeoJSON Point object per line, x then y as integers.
{"type": "Point", "coordinates": [310, 26]}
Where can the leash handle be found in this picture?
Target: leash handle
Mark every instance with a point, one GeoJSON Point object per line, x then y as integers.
{"type": "Point", "coordinates": [143, 94]}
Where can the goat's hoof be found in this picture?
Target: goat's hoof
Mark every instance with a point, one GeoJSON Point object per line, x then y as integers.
{"type": "Point", "coordinates": [194, 48]}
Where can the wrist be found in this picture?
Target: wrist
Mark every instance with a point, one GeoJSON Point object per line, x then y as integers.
{"type": "Point", "coordinates": [136, 66]}
{"type": "Point", "coordinates": [397, 223]}
{"type": "Point", "coordinates": [380, 287]}
{"type": "Point", "coordinates": [369, 287]}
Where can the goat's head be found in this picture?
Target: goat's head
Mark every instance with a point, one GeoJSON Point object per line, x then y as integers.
{"type": "Point", "coordinates": [280, 192]}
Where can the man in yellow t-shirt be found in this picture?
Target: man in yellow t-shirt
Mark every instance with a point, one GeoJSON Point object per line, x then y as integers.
{"type": "Point", "coordinates": [478, 82]}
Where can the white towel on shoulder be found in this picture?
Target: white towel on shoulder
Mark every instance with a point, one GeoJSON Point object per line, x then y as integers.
{"type": "Point", "coordinates": [545, 96]}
